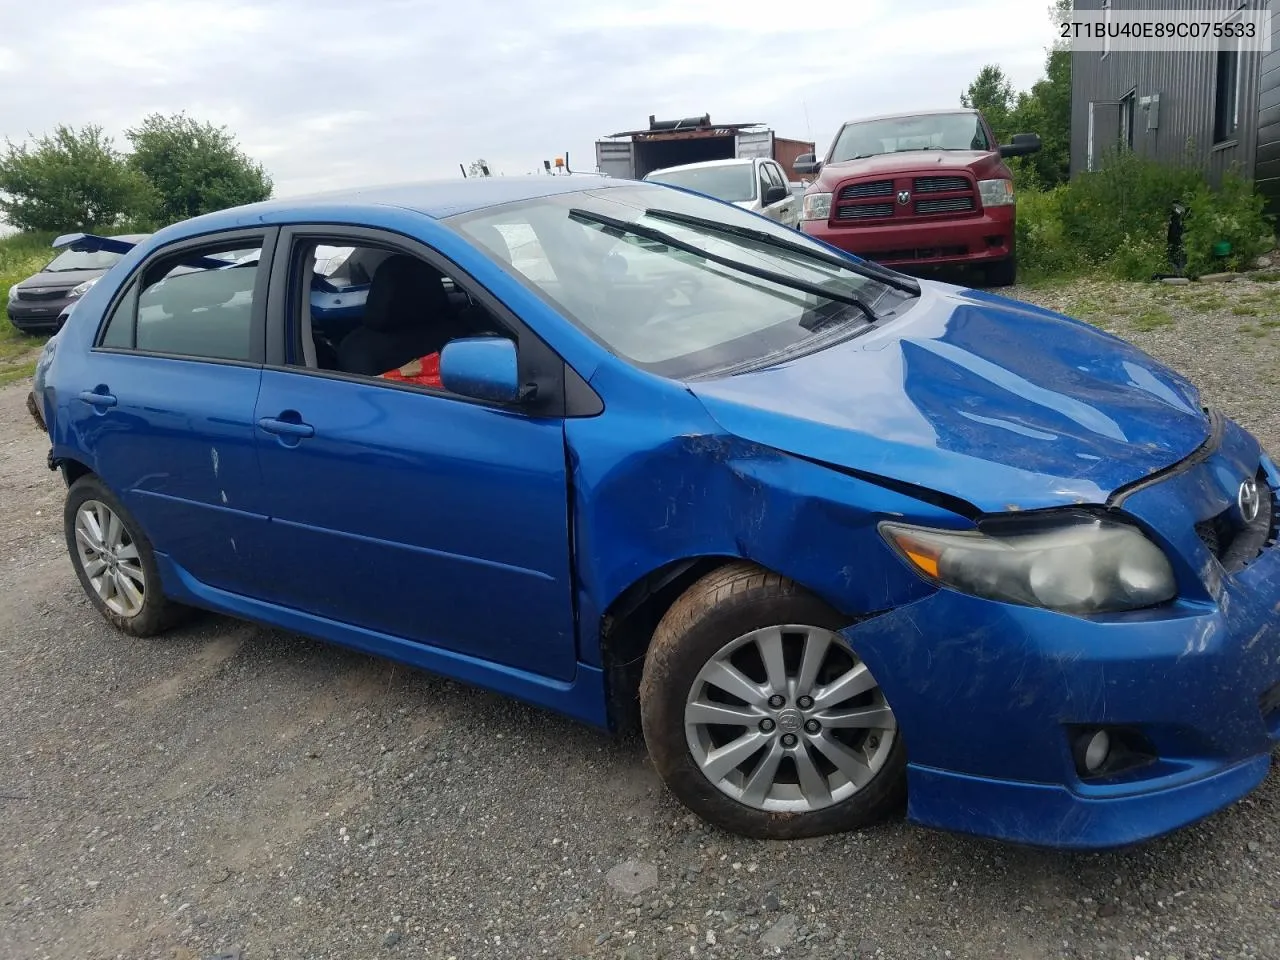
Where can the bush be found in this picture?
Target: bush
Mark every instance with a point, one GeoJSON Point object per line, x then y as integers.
{"type": "Point", "coordinates": [1117, 219]}
{"type": "Point", "coordinates": [1231, 214]}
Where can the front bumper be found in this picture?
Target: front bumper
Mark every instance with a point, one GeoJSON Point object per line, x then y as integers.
{"type": "Point", "coordinates": [40, 316]}
{"type": "Point", "coordinates": [988, 695]}
{"type": "Point", "coordinates": [969, 240]}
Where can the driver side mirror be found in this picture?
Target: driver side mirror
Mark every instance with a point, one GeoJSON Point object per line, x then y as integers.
{"type": "Point", "coordinates": [482, 368]}
{"type": "Point", "coordinates": [1022, 144]}
{"type": "Point", "coordinates": [806, 163]}
{"type": "Point", "coordinates": [775, 194]}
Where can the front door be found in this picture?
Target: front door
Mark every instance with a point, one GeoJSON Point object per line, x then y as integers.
{"type": "Point", "coordinates": [399, 508]}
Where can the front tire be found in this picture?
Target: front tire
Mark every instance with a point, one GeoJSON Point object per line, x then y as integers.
{"type": "Point", "coordinates": [114, 561]}
{"type": "Point", "coordinates": [1003, 273]}
{"type": "Point", "coordinates": [760, 718]}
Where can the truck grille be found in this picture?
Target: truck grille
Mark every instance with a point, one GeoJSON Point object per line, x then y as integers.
{"type": "Point", "coordinates": [42, 293]}
{"type": "Point", "coordinates": [877, 188]}
{"type": "Point", "coordinates": [941, 184]}
{"type": "Point", "coordinates": [951, 205]}
{"type": "Point", "coordinates": [1236, 544]}
{"type": "Point", "coordinates": [920, 197]}
{"type": "Point", "coordinates": [866, 211]}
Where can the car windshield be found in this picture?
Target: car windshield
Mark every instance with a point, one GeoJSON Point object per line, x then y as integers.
{"type": "Point", "coordinates": [69, 260]}
{"type": "Point", "coordinates": [930, 131]}
{"type": "Point", "coordinates": [732, 182]}
{"type": "Point", "coordinates": [675, 311]}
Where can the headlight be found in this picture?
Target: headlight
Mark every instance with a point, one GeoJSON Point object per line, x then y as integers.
{"type": "Point", "coordinates": [996, 193]}
{"type": "Point", "coordinates": [1078, 565]}
{"type": "Point", "coordinates": [13, 293]}
{"type": "Point", "coordinates": [80, 289]}
{"type": "Point", "coordinates": [817, 206]}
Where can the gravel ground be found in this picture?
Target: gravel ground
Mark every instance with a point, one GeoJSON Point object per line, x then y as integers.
{"type": "Point", "coordinates": [230, 787]}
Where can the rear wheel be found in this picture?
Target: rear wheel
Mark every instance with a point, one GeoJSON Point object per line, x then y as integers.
{"type": "Point", "coordinates": [114, 561]}
{"type": "Point", "coordinates": [760, 718]}
{"type": "Point", "coordinates": [1002, 273]}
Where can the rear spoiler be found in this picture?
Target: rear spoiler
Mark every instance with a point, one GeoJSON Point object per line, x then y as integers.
{"type": "Point", "coordinates": [91, 242]}
{"type": "Point", "coordinates": [88, 242]}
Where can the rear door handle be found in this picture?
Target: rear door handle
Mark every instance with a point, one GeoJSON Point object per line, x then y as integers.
{"type": "Point", "coordinates": [286, 428]}
{"type": "Point", "coordinates": [96, 399]}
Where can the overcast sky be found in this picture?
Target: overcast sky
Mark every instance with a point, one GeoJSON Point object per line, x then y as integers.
{"type": "Point", "coordinates": [331, 94]}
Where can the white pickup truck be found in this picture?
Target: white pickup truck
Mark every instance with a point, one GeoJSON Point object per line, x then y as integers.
{"type": "Point", "coordinates": [753, 183]}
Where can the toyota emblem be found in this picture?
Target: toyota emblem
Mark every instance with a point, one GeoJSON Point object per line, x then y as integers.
{"type": "Point", "coordinates": [1249, 501]}
{"type": "Point", "coordinates": [904, 196]}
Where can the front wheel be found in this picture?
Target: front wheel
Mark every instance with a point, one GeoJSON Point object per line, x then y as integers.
{"type": "Point", "coordinates": [1002, 273]}
{"type": "Point", "coordinates": [760, 718]}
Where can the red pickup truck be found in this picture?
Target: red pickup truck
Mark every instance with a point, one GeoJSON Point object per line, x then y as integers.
{"type": "Point", "coordinates": [918, 189]}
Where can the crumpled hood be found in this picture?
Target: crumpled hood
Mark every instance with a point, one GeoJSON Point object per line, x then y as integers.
{"type": "Point", "coordinates": [996, 402]}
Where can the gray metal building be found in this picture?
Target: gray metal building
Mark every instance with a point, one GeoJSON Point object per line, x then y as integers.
{"type": "Point", "coordinates": [1222, 108]}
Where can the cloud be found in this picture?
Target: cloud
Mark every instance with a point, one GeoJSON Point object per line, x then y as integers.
{"type": "Point", "coordinates": [330, 94]}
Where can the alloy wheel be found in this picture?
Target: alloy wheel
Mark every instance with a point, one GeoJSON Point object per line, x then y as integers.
{"type": "Point", "coordinates": [110, 558]}
{"type": "Point", "coordinates": [788, 719]}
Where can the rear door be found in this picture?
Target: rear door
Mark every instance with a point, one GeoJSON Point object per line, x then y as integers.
{"type": "Point", "coordinates": [167, 401]}
{"type": "Point", "coordinates": [406, 510]}
{"type": "Point", "coordinates": [755, 143]}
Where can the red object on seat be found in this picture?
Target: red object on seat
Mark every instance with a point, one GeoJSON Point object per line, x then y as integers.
{"type": "Point", "coordinates": [425, 371]}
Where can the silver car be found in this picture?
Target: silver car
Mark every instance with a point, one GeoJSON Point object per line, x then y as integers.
{"type": "Point", "coordinates": [753, 183]}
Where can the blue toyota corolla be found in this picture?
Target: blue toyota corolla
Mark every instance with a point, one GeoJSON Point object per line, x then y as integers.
{"type": "Point", "coordinates": [828, 535]}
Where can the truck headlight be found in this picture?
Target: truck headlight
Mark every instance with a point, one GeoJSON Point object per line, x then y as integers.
{"type": "Point", "coordinates": [817, 206]}
{"type": "Point", "coordinates": [13, 293]}
{"type": "Point", "coordinates": [1075, 564]}
{"type": "Point", "coordinates": [996, 193]}
{"type": "Point", "coordinates": [80, 289]}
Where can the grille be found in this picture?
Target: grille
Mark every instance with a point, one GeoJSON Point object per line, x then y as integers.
{"type": "Point", "coordinates": [866, 211]}
{"type": "Point", "coordinates": [941, 184]}
{"type": "Point", "coordinates": [953, 205]}
{"type": "Point", "coordinates": [858, 191]}
{"type": "Point", "coordinates": [43, 293]}
{"type": "Point", "coordinates": [1234, 543]}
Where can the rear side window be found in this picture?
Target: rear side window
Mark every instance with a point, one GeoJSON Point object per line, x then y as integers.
{"type": "Point", "coordinates": [198, 304]}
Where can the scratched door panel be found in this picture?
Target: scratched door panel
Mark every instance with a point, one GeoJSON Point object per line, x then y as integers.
{"type": "Point", "coordinates": [179, 447]}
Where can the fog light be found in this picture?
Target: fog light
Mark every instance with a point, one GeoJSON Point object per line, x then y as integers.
{"type": "Point", "coordinates": [1097, 751]}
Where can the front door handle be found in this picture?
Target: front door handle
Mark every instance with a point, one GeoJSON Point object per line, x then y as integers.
{"type": "Point", "coordinates": [96, 399]}
{"type": "Point", "coordinates": [286, 428]}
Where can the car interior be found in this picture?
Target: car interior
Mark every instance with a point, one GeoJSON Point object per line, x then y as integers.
{"type": "Point", "coordinates": [410, 311]}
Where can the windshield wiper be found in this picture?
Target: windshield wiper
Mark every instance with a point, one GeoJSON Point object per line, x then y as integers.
{"type": "Point", "coordinates": [871, 271]}
{"type": "Point", "coordinates": [600, 219]}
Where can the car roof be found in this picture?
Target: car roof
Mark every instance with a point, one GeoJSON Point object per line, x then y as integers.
{"type": "Point", "coordinates": [731, 162]}
{"type": "Point", "coordinates": [433, 198]}
{"type": "Point", "coordinates": [913, 113]}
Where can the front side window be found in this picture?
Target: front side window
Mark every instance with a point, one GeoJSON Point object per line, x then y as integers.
{"type": "Point", "coordinates": [931, 131]}
{"type": "Point", "coordinates": [195, 304]}
{"type": "Point", "coordinates": [383, 314]}
{"type": "Point", "coordinates": [735, 182]}
{"type": "Point", "coordinates": [676, 313]}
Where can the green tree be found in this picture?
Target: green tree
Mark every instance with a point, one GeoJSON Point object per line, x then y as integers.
{"type": "Point", "coordinates": [1045, 109]}
{"type": "Point", "coordinates": [991, 92]}
{"type": "Point", "coordinates": [69, 180]}
{"type": "Point", "coordinates": [194, 167]}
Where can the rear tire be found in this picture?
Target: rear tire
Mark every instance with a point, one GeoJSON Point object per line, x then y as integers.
{"type": "Point", "coordinates": [1003, 273]}
{"type": "Point", "coordinates": [114, 561]}
{"type": "Point", "coordinates": [807, 768]}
